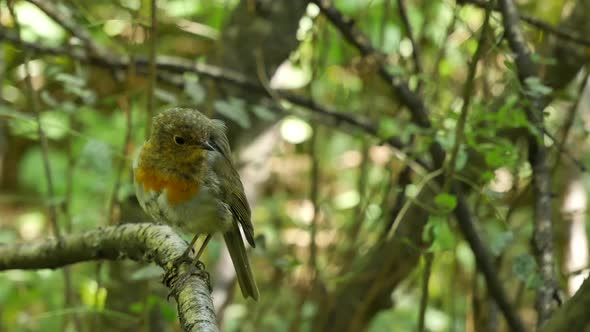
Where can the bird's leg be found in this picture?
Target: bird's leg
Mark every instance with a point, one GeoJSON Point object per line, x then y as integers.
{"type": "Point", "coordinates": [185, 257]}
{"type": "Point", "coordinates": [200, 252]}
{"type": "Point", "coordinates": [172, 267]}
{"type": "Point", "coordinates": [197, 268]}
{"type": "Point", "coordinates": [190, 246]}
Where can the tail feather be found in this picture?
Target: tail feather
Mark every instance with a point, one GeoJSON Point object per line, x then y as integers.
{"type": "Point", "coordinates": [237, 251]}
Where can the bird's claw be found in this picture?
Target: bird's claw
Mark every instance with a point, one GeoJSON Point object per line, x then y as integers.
{"type": "Point", "coordinates": [172, 277]}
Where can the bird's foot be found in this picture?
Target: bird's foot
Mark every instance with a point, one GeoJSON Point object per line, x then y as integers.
{"type": "Point", "coordinates": [175, 276]}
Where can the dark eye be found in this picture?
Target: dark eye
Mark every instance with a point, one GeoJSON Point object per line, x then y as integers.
{"type": "Point", "coordinates": [178, 140]}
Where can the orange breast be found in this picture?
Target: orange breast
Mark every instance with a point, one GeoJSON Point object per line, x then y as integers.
{"type": "Point", "coordinates": [178, 190]}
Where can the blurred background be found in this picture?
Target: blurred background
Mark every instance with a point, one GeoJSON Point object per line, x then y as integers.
{"type": "Point", "coordinates": [352, 232]}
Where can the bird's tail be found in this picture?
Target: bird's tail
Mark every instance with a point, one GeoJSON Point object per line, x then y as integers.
{"type": "Point", "coordinates": [237, 251]}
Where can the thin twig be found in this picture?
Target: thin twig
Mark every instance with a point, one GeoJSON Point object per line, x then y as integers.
{"type": "Point", "coordinates": [70, 301]}
{"type": "Point", "coordinates": [418, 68]}
{"type": "Point", "coordinates": [428, 259]}
{"type": "Point", "coordinates": [540, 24]}
{"type": "Point", "coordinates": [467, 95]}
{"type": "Point", "coordinates": [152, 70]}
{"type": "Point", "coordinates": [181, 66]}
{"type": "Point", "coordinates": [33, 107]}
{"type": "Point", "coordinates": [442, 52]}
{"type": "Point", "coordinates": [124, 106]}
{"type": "Point", "coordinates": [419, 113]}
{"type": "Point", "coordinates": [569, 122]}
{"type": "Point", "coordinates": [69, 24]}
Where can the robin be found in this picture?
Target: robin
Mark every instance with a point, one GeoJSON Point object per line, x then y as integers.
{"type": "Point", "coordinates": [185, 177]}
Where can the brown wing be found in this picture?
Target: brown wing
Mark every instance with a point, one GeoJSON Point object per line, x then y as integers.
{"type": "Point", "coordinates": [232, 188]}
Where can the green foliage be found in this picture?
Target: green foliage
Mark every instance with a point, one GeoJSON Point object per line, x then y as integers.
{"type": "Point", "coordinates": [525, 269]}
{"type": "Point", "coordinates": [234, 109]}
{"type": "Point", "coordinates": [438, 232]}
{"type": "Point", "coordinates": [312, 173]}
{"type": "Point", "coordinates": [445, 201]}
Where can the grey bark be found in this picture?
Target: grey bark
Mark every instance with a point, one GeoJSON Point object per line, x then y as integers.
{"type": "Point", "coordinates": [140, 242]}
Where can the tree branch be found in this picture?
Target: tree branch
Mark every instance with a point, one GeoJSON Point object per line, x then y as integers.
{"type": "Point", "coordinates": [537, 23]}
{"type": "Point", "coordinates": [573, 315]}
{"type": "Point", "coordinates": [181, 66]}
{"type": "Point", "coordinates": [542, 228]}
{"type": "Point", "coordinates": [140, 242]}
{"type": "Point", "coordinates": [416, 53]}
{"type": "Point", "coordinates": [68, 24]}
{"type": "Point", "coordinates": [419, 114]}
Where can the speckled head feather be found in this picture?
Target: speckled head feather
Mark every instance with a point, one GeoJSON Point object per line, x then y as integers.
{"type": "Point", "coordinates": [190, 125]}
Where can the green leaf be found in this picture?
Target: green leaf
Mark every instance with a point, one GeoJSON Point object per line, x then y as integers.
{"type": "Point", "coordinates": [235, 110]}
{"type": "Point", "coordinates": [438, 231]}
{"type": "Point", "coordinates": [165, 96]}
{"type": "Point", "coordinates": [388, 128]}
{"type": "Point", "coordinates": [92, 295]}
{"type": "Point", "coordinates": [168, 311]}
{"type": "Point", "coordinates": [70, 80]}
{"type": "Point", "coordinates": [136, 307]}
{"type": "Point", "coordinates": [263, 113]}
{"type": "Point", "coordinates": [536, 87]}
{"type": "Point", "coordinates": [412, 190]}
{"type": "Point", "coordinates": [55, 124]}
{"type": "Point", "coordinates": [525, 269]}
{"type": "Point", "coordinates": [500, 241]}
{"type": "Point", "coordinates": [150, 271]}
{"type": "Point", "coordinates": [96, 156]}
{"type": "Point", "coordinates": [462, 157]}
{"type": "Point", "coordinates": [195, 91]}
{"type": "Point", "coordinates": [446, 201]}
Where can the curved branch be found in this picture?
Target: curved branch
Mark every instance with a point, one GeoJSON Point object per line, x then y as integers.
{"type": "Point", "coordinates": [573, 315]}
{"type": "Point", "coordinates": [540, 24]}
{"type": "Point", "coordinates": [167, 65]}
{"type": "Point", "coordinates": [141, 242]}
{"type": "Point", "coordinates": [420, 116]}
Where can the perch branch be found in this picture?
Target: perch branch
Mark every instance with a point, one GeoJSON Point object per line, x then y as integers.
{"type": "Point", "coordinates": [140, 242]}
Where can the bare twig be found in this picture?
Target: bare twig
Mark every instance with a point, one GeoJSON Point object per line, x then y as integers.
{"type": "Point", "coordinates": [442, 52]}
{"type": "Point", "coordinates": [69, 24]}
{"type": "Point", "coordinates": [181, 66]}
{"type": "Point", "coordinates": [428, 258]}
{"type": "Point", "coordinates": [569, 122]}
{"type": "Point", "coordinates": [124, 106]}
{"type": "Point", "coordinates": [151, 102]}
{"type": "Point", "coordinates": [418, 68]}
{"type": "Point", "coordinates": [419, 114]}
{"type": "Point", "coordinates": [459, 137]}
{"type": "Point", "coordinates": [559, 32]}
{"type": "Point", "coordinates": [140, 242]}
{"type": "Point", "coordinates": [467, 94]}
{"type": "Point", "coordinates": [33, 107]}
{"type": "Point", "coordinates": [542, 228]}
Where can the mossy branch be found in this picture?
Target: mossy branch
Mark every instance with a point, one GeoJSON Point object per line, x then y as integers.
{"type": "Point", "coordinates": [140, 242]}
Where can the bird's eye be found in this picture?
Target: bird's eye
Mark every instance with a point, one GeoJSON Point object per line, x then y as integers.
{"type": "Point", "coordinates": [178, 140]}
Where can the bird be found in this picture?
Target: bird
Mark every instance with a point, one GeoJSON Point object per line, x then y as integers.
{"type": "Point", "coordinates": [184, 176]}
